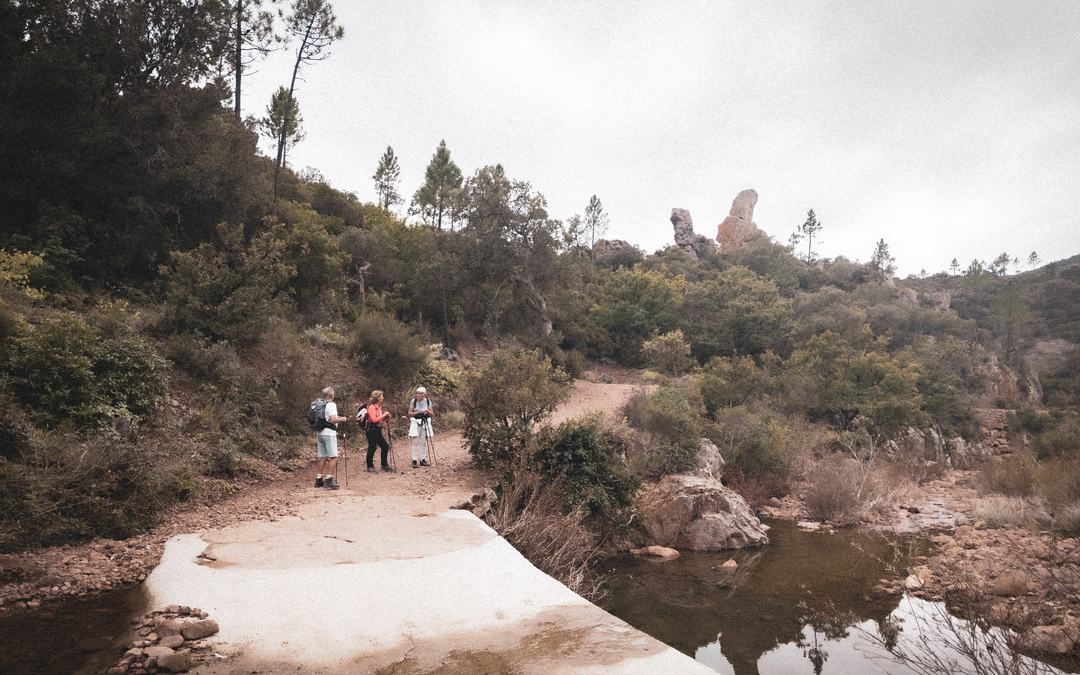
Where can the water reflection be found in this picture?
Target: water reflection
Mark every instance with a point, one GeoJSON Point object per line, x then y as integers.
{"type": "Point", "coordinates": [804, 605]}
{"type": "Point", "coordinates": [693, 605]}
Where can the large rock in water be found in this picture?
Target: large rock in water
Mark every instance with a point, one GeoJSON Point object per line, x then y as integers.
{"type": "Point", "coordinates": [739, 228]}
{"type": "Point", "coordinates": [699, 514]}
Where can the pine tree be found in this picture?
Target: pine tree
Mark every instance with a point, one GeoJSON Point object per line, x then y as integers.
{"type": "Point", "coordinates": [315, 25]}
{"type": "Point", "coordinates": [882, 260]}
{"type": "Point", "coordinates": [253, 37]}
{"type": "Point", "coordinates": [596, 220]}
{"type": "Point", "coordinates": [440, 194]}
{"type": "Point", "coordinates": [386, 179]}
{"type": "Point", "coordinates": [954, 267]}
{"type": "Point", "coordinates": [809, 230]}
{"type": "Point", "coordinates": [1000, 265]}
{"type": "Point", "coordinates": [1033, 260]}
{"type": "Point", "coordinates": [283, 123]}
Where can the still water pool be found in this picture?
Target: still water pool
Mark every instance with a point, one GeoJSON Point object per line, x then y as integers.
{"type": "Point", "coordinates": [803, 604]}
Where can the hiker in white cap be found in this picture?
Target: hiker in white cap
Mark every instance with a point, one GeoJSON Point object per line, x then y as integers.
{"type": "Point", "coordinates": [421, 412]}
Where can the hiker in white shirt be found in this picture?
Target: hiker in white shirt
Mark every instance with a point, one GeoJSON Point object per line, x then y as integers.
{"type": "Point", "coordinates": [421, 412]}
{"type": "Point", "coordinates": [326, 442]}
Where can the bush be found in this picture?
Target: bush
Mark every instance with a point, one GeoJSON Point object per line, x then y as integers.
{"type": "Point", "coordinates": [231, 290]}
{"type": "Point", "coordinates": [385, 347]}
{"type": "Point", "coordinates": [1030, 419]}
{"type": "Point", "coordinates": [69, 490]}
{"type": "Point", "coordinates": [292, 374]}
{"type": "Point", "coordinates": [530, 514]}
{"type": "Point", "coordinates": [1014, 476]}
{"type": "Point", "coordinates": [581, 453]}
{"type": "Point", "coordinates": [1061, 441]}
{"type": "Point", "coordinates": [503, 401]}
{"type": "Point", "coordinates": [669, 419]}
{"type": "Point", "coordinates": [65, 371]}
{"type": "Point", "coordinates": [668, 353]}
{"type": "Point", "coordinates": [757, 443]}
{"type": "Point", "coordinates": [845, 491]}
{"type": "Point", "coordinates": [730, 381]}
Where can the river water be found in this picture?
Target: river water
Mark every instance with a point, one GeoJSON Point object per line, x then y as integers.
{"type": "Point", "coordinates": [803, 604]}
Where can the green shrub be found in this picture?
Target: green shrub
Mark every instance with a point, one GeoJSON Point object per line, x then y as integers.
{"type": "Point", "coordinates": [1061, 441]}
{"type": "Point", "coordinates": [755, 442]}
{"type": "Point", "coordinates": [1030, 419]}
{"type": "Point", "coordinates": [386, 348]}
{"type": "Point", "coordinates": [503, 401]}
{"type": "Point", "coordinates": [669, 418]}
{"type": "Point", "coordinates": [229, 290]}
{"type": "Point", "coordinates": [582, 453]}
{"type": "Point", "coordinates": [69, 490]}
{"type": "Point", "coordinates": [569, 360]}
{"type": "Point", "coordinates": [65, 371]}
{"type": "Point", "coordinates": [668, 353]}
{"type": "Point", "coordinates": [730, 381]}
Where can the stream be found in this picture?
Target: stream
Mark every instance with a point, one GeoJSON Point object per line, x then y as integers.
{"type": "Point", "coordinates": [802, 604]}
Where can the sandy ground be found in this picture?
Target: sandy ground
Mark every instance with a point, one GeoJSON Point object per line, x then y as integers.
{"type": "Point", "coordinates": [380, 576]}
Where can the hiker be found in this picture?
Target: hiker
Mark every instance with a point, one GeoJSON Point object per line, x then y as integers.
{"type": "Point", "coordinates": [421, 412]}
{"type": "Point", "coordinates": [325, 427]}
{"type": "Point", "coordinates": [376, 420]}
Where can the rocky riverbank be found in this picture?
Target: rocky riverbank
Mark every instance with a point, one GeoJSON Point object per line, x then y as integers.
{"type": "Point", "coordinates": [32, 578]}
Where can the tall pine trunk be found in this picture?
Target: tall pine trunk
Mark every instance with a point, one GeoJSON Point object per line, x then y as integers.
{"type": "Point", "coordinates": [283, 134]}
{"type": "Point", "coordinates": [238, 66]}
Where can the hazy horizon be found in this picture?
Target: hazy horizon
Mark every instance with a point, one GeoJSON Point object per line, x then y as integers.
{"type": "Point", "coordinates": [947, 130]}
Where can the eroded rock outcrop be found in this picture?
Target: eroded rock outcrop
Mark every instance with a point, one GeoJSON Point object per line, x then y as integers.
{"type": "Point", "coordinates": [739, 227]}
{"type": "Point", "coordinates": [616, 252]}
{"type": "Point", "coordinates": [699, 514]}
{"type": "Point", "coordinates": [684, 230]}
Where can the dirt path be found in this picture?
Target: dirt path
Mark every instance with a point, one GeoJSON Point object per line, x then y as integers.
{"type": "Point", "coordinates": [407, 585]}
{"type": "Point", "coordinates": [46, 575]}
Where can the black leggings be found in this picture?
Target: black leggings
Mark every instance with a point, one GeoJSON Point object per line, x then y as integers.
{"type": "Point", "coordinates": [375, 437]}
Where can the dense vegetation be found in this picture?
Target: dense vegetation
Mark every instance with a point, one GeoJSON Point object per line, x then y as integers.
{"type": "Point", "coordinates": [170, 298]}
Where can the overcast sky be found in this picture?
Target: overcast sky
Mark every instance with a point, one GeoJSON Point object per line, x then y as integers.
{"type": "Point", "coordinates": [948, 128]}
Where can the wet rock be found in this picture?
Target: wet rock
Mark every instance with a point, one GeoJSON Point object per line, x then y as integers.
{"type": "Point", "coordinates": [661, 552]}
{"type": "Point", "coordinates": [729, 565]}
{"type": "Point", "coordinates": [699, 514]}
{"type": "Point", "coordinates": [808, 525]}
{"type": "Point", "coordinates": [200, 629]}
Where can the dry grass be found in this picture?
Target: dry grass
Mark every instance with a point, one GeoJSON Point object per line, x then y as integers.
{"type": "Point", "coordinates": [847, 490]}
{"type": "Point", "coordinates": [529, 515]}
{"type": "Point", "coordinates": [1002, 511]}
{"type": "Point", "coordinates": [1013, 476]}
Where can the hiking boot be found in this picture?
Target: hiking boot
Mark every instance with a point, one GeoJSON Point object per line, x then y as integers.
{"type": "Point", "coordinates": [332, 484]}
{"type": "Point", "coordinates": [414, 464]}
{"type": "Point", "coordinates": [318, 482]}
{"type": "Point", "coordinates": [388, 469]}
{"type": "Point", "coordinates": [371, 469]}
{"type": "Point", "coordinates": [423, 462]}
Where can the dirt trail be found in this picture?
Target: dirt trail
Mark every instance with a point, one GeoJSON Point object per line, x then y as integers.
{"type": "Point", "coordinates": [78, 571]}
{"type": "Point", "coordinates": [416, 587]}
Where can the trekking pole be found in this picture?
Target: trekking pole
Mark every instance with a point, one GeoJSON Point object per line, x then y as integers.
{"type": "Point", "coordinates": [345, 458]}
{"type": "Point", "coordinates": [390, 446]}
{"type": "Point", "coordinates": [430, 443]}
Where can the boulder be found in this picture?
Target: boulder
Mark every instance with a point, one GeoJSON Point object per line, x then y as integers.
{"type": "Point", "coordinates": [739, 227]}
{"type": "Point", "coordinates": [1010, 585]}
{"type": "Point", "coordinates": [699, 514]}
{"type": "Point", "coordinates": [177, 662]}
{"type": "Point", "coordinates": [913, 582]}
{"type": "Point", "coordinates": [661, 552]}
{"type": "Point", "coordinates": [710, 463]}
{"type": "Point", "coordinates": [1047, 640]}
{"type": "Point", "coordinates": [157, 651]}
{"type": "Point", "coordinates": [729, 565]}
{"type": "Point", "coordinates": [164, 627]}
{"type": "Point", "coordinates": [200, 629]}
{"type": "Point", "coordinates": [172, 641]}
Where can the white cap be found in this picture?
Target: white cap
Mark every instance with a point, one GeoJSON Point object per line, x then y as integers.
{"type": "Point", "coordinates": [421, 390]}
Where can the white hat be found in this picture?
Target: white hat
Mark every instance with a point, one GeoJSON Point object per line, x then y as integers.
{"type": "Point", "coordinates": [421, 390]}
